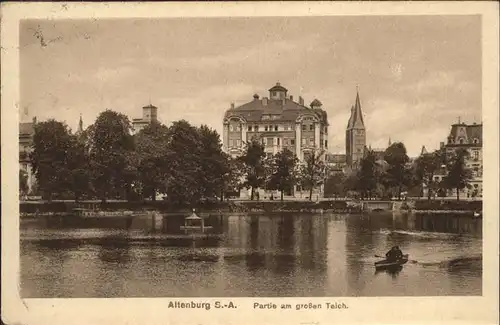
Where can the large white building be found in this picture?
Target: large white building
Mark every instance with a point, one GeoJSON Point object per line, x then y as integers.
{"type": "Point", "coordinates": [278, 122]}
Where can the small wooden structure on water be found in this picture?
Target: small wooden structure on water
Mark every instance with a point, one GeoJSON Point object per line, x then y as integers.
{"type": "Point", "coordinates": [194, 224]}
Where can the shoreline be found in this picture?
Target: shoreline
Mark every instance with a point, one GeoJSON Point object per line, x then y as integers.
{"type": "Point", "coordinates": [131, 209]}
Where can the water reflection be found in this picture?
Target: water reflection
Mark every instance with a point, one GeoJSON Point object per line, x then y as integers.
{"type": "Point", "coordinates": [251, 255]}
{"type": "Point", "coordinates": [392, 271]}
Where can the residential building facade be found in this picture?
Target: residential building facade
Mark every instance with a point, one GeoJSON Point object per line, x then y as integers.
{"type": "Point", "coordinates": [470, 138]}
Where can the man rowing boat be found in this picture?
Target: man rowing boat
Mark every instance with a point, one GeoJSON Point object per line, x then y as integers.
{"type": "Point", "coordinates": [394, 254]}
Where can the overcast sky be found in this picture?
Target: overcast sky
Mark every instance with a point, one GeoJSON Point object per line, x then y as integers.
{"type": "Point", "coordinates": [416, 75]}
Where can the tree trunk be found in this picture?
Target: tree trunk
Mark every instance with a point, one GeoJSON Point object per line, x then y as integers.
{"type": "Point", "coordinates": [222, 195]}
{"type": "Point", "coordinates": [251, 194]}
{"type": "Point", "coordinates": [458, 194]}
{"type": "Point", "coordinates": [399, 193]}
{"type": "Point", "coordinates": [310, 193]}
{"type": "Point", "coordinates": [153, 196]}
{"type": "Point", "coordinates": [282, 195]}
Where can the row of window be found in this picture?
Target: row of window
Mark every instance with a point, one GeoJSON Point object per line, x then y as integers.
{"type": "Point", "coordinates": [277, 142]}
{"type": "Point", "coordinates": [271, 117]}
{"type": "Point", "coordinates": [268, 128]}
{"type": "Point", "coordinates": [462, 141]}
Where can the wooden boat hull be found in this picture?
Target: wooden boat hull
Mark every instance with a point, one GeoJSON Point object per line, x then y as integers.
{"type": "Point", "coordinates": [391, 264]}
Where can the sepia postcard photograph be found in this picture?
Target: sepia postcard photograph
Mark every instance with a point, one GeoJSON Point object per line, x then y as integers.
{"type": "Point", "coordinates": [250, 163]}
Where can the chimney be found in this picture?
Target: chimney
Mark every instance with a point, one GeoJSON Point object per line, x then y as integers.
{"type": "Point", "coordinates": [232, 105]}
{"type": "Point", "coordinates": [441, 145]}
{"type": "Point", "coordinates": [34, 120]}
{"type": "Point", "coordinates": [291, 97]}
{"type": "Point", "coordinates": [264, 101]}
{"type": "Point", "coordinates": [255, 97]}
{"type": "Point", "coordinates": [301, 100]}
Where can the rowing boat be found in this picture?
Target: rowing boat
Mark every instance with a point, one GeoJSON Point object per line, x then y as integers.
{"type": "Point", "coordinates": [389, 264]}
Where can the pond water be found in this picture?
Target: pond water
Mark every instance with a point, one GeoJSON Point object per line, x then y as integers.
{"type": "Point", "coordinates": [254, 255]}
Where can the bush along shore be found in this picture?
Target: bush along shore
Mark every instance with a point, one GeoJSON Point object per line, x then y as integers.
{"type": "Point", "coordinates": [335, 206]}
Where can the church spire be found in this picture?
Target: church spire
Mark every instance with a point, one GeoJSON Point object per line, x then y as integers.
{"type": "Point", "coordinates": [80, 124]}
{"type": "Point", "coordinates": [390, 142]}
{"type": "Point", "coordinates": [357, 114]}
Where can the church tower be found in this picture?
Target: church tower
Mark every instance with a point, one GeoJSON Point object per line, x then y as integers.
{"type": "Point", "coordinates": [355, 135]}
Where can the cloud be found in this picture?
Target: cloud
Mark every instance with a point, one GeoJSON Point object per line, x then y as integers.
{"type": "Point", "coordinates": [105, 74]}
{"type": "Point", "coordinates": [412, 78]}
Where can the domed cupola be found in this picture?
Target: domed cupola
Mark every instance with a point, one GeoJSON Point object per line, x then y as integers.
{"type": "Point", "coordinates": [278, 92]}
{"type": "Point", "coordinates": [316, 104]}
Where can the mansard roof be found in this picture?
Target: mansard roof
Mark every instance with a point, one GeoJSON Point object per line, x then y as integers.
{"type": "Point", "coordinates": [472, 132]}
{"type": "Point", "coordinates": [284, 109]}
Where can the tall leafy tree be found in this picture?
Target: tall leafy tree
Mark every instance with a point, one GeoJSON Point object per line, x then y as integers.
{"type": "Point", "coordinates": [367, 174]}
{"type": "Point", "coordinates": [184, 178]}
{"type": "Point", "coordinates": [427, 166]}
{"type": "Point", "coordinates": [233, 178]}
{"type": "Point", "coordinates": [312, 171]}
{"type": "Point", "coordinates": [282, 177]}
{"type": "Point", "coordinates": [152, 164]}
{"type": "Point", "coordinates": [51, 143]}
{"type": "Point", "coordinates": [335, 185]}
{"type": "Point", "coordinates": [213, 162]}
{"type": "Point", "coordinates": [111, 145]}
{"type": "Point", "coordinates": [79, 168]}
{"type": "Point", "coordinates": [254, 161]}
{"type": "Point", "coordinates": [398, 173]}
{"type": "Point", "coordinates": [459, 175]}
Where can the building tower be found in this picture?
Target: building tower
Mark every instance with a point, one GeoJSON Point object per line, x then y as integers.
{"type": "Point", "coordinates": [355, 135]}
{"type": "Point", "coordinates": [80, 126]}
{"type": "Point", "coordinates": [149, 115]}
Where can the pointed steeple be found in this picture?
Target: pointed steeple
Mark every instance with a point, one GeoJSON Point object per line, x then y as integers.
{"type": "Point", "coordinates": [80, 124]}
{"type": "Point", "coordinates": [424, 151]}
{"type": "Point", "coordinates": [357, 117]}
{"type": "Point", "coordinates": [390, 142]}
